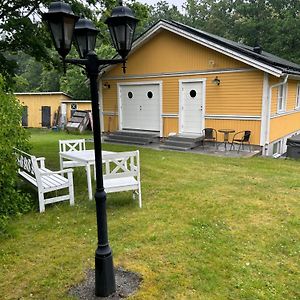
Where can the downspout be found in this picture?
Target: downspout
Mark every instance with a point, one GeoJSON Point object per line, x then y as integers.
{"type": "Point", "coordinates": [268, 115]}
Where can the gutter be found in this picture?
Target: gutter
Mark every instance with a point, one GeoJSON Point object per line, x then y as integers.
{"type": "Point", "coordinates": [267, 131]}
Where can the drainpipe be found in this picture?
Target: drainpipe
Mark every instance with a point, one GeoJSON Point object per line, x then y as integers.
{"type": "Point", "coordinates": [268, 116]}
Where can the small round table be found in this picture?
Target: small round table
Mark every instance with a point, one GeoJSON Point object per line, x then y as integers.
{"type": "Point", "coordinates": [226, 133]}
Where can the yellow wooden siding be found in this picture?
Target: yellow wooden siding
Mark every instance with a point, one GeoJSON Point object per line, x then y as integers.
{"type": "Point", "coordinates": [110, 123]}
{"type": "Point", "coordinates": [168, 52]}
{"type": "Point", "coordinates": [238, 93]}
{"type": "Point", "coordinates": [237, 125]}
{"type": "Point", "coordinates": [35, 103]}
{"type": "Point", "coordinates": [80, 106]}
{"type": "Point", "coordinates": [170, 125]}
{"type": "Point", "coordinates": [284, 125]}
{"type": "Point", "coordinates": [291, 94]}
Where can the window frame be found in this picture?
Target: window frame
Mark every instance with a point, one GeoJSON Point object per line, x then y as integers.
{"type": "Point", "coordinates": [281, 97]}
{"type": "Point", "coordinates": [298, 96]}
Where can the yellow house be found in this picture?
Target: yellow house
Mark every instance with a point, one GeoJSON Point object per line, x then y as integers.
{"type": "Point", "coordinates": [180, 79]}
{"type": "Point", "coordinates": [41, 109]}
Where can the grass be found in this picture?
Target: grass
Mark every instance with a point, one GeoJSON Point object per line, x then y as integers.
{"type": "Point", "coordinates": [210, 228]}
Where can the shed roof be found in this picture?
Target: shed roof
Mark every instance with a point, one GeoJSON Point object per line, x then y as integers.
{"type": "Point", "coordinates": [43, 93]}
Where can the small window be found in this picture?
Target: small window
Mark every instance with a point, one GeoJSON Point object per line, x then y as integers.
{"type": "Point", "coordinates": [298, 96]}
{"type": "Point", "coordinates": [277, 148]}
{"type": "Point", "coordinates": [281, 100]}
{"type": "Point", "coordinates": [130, 95]}
{"type": "Point", "coordinates": [193, 93]}
{"type": "Point", "coordinates": [150, 94]}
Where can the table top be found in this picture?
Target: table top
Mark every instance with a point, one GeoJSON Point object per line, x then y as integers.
{"type": "Point", "coordinates": [226, 130]}
{"type": "Point", "coordinates": [86, 156]}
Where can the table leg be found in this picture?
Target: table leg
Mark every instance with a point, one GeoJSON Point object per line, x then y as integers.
{"type": "Point", "coordinates": [89, 181]}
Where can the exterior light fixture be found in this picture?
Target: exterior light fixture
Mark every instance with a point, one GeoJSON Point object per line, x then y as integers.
{"type": "Point", "coordinates": [85, 34]}
{"type": "Point", "coordinates": [216, 81]}
{"type": "Point", "coordinates": [61, 21]}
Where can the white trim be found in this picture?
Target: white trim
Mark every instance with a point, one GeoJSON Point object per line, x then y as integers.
{"type": "Point", "coordinates": [100, 96]}
{"type": "Point", "coordinates": [264, 109]}
{"type": "Point", "coordinates": [159, 83]}
{"type": "Point", "coordinates": [167, 115]}
{"type": "Point", "coordinates": [297, 104]}
{"type": "Point", "coordinates": [233, 117]}
{"type": "Point", "coordinates": [191, 80]}
{"type": "Point", "coordinates": [76, 101]}
{"type": "Point", "coordinates": [290, 112]}
{"type": "Point", "coordinates": [110, 113]}
{"type": "Point", "coordinates": [266, 147]}
{"type": "Point", "coordinates": [177, 74]}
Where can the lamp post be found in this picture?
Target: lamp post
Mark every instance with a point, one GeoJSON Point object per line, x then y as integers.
{"type": "Point", "coordinates": [65, 27]}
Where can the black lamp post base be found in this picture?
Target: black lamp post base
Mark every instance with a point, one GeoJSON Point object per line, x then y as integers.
{"type": "Point", "coordinates": [105, 284]}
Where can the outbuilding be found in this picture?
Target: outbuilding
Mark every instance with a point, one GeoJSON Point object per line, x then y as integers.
{"type": "Point", "coordinates": [180, 80]}
{"type": "Point", "coordinates": [44, 109]}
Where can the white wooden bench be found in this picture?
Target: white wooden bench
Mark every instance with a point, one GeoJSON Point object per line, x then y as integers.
{"type": "Point", "coordinates": [33, 170]}
{"type": "Point", "coordinates": [121, 172]}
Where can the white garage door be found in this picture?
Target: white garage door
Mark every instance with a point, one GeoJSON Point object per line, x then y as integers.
{"type": "Point", "coordinates": [140, 106]}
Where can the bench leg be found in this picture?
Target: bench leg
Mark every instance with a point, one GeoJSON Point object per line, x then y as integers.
{"type": "Point", "coordinates": [41, 201]}
{"type": "Point", "coordinates": [71, 188]}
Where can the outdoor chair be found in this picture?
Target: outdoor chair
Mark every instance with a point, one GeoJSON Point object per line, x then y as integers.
{"type": "Point", "coordinates": [210, 135]}
{"type": "Point", "coordinates": [241, 138]}
{"type": "Point", "coordinates": [71, 145]}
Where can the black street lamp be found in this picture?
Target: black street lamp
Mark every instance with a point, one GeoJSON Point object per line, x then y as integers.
{"type": "Point", "coordinates": [61, 21]}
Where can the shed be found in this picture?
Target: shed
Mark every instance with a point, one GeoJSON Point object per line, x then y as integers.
{"type": "Point", "coordinates": [181, 79]}
{"type": "Point", "coordinates": [44, 109]}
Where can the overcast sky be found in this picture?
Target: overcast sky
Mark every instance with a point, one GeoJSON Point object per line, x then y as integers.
{"type": "Point", "coordinates": [178, 3]}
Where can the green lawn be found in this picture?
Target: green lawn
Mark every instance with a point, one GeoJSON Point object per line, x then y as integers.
{"type": "Point", "coordinates": [210, 228]}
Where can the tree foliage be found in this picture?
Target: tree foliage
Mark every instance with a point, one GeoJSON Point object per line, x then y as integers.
{"type": "Point", "coordinates": [12, 201]}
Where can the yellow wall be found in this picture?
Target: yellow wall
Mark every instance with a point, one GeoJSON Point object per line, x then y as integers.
{"type": "Point", "coordinates": [80, 106]}
{"type": "Point", "coordinates": [168, 52]}
{"type": "Point", "coordinates": [240, 93]}
{"type": "Point", "coordinates": [34, 102]}
{"type": "Point", "coordinates": [288, 122]}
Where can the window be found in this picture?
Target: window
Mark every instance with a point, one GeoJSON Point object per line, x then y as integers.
{"type": "Point", "coordinates": [193, 93]}
{"type": "Point", "coordinates": [149, 94]}
{"type": "Point", "coordinates": [281, 100]}
{"type": "Point", "coordinates": [298, 96]}
{"type": "Point", "coordinates": [130, 95]}
{"type": "Point", "coordinates": [276, 148]}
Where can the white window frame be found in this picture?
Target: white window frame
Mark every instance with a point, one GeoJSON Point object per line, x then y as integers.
{"type": "Point", "coordinates": [281, 98]}
{"type": "Point", "coordinates": [277, 148]}
{"type": "Point", "coordinates": [297, 96]}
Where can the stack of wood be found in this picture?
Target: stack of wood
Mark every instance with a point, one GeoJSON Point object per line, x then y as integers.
{"type": "Point", "coordinates": [80, 121]}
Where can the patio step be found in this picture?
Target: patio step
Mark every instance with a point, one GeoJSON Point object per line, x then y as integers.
{"type": "Point", "coordinates": [182, 142]}
{"type": "Point", "coordinates": [132, 137]}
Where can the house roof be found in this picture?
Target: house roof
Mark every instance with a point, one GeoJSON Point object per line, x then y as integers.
{"type": "Point", "coordinates": [43, 93]}
{"type": "Point", "coordinates": [262, 60]}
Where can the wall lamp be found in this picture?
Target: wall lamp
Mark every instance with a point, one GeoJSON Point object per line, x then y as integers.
{"type": "Point", "coordinates": [216, 81]}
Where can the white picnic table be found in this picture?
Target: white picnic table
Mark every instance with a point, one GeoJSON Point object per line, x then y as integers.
{"type": "Point", "coordinates": [86, 157]}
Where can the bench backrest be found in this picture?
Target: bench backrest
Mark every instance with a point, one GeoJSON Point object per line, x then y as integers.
{"type": "Point", "coordinates": [28, 166]}
{"type": "Point", "coordinates": [71, 145]}
{"type": "Point", "coordinates": [122, 164]}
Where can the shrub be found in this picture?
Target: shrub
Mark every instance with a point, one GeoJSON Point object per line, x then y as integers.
{"type": "Point", "coordinates": [12, 200]}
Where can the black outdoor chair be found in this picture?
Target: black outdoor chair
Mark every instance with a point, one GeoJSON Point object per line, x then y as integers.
{"type": "Point", "coordinates": [210, 135]}
{"type": "Point", "coordinates": [241, 138]}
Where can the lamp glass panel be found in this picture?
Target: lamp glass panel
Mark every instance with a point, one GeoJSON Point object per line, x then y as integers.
{"type": "Point", "coordinates": [113, 37]}
{"type": "Point", "coordinates": [68, 31]}
{"type": "Point", "coordinates": [91, 41]}
{"type": "Point", "coordinates": [129, 36]}
{"type": "Point", "coordinates": [120, 35]}
{"type": "Point", "coordinates": [81, 45]}
{"type": "Point", "coordinates": [57, 32]}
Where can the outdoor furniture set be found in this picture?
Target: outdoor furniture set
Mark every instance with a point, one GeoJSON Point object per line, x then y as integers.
{"type": "Point", "coordinates": [239, 138]}
{"type": "Point", "coordinates": [121, 171]}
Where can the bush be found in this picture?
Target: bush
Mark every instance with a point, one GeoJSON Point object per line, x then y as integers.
{"type": "Point", "coordinates": [12, 200]}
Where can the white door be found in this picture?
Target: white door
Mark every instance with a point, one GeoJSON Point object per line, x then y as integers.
{"type": "Point", "coordinates": [192, 107]}
{"type": "Point", "coordinates": [140, 106]}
